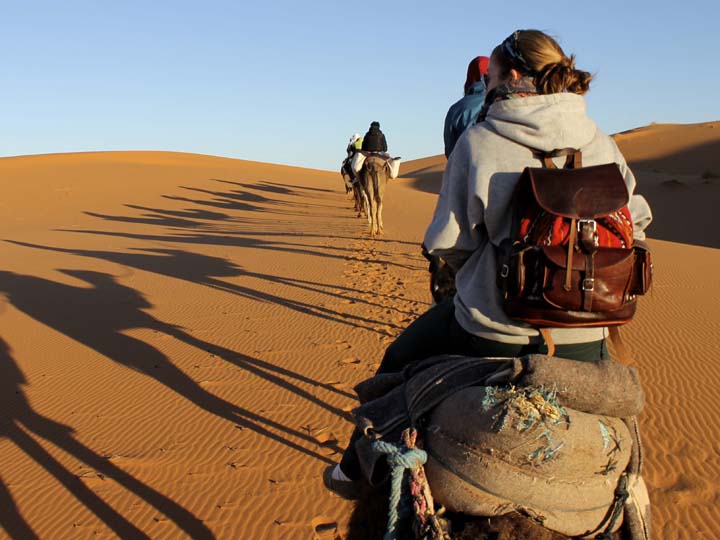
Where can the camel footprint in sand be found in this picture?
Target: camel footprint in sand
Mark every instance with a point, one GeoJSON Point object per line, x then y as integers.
{"type": "Point", "coordinates": [327, 441]}
{"type": "Point", "coordinates": [324, 529]}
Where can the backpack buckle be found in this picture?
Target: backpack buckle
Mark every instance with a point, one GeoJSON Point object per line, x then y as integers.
{"type": "Point", "coordinates": [588, 284]}
{"type": "Point", "coordinates": [583, 222]}
{"type": "Point", "coordinates": [588, 235]}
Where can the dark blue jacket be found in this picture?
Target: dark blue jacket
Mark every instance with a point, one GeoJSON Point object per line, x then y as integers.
{"type": "Point", "coordinates": [463, 114]}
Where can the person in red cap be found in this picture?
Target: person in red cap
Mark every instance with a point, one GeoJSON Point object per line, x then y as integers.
{"type": "Point", "coordinates": [464, 112]}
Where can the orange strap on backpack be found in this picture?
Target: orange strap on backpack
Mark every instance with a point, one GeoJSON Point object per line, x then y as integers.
{"type": "Point", "coordinates": [547, 336]}
{"type": "Point", "coordinates": [622, 351]}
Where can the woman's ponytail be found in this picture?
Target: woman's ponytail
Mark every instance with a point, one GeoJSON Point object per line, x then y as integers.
{"type": "Point", "coordinates": [536, 54]}
{"type": "Point", "coordinates": [562, 77]}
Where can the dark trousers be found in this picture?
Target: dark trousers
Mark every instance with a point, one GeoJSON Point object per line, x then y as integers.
{"type": "Point", "coordinates": [437, 332]}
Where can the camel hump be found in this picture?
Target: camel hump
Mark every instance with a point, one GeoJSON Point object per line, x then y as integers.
{"type": "Point", "coordinates": [492, 450]}
{"type": "Point", "coordinates": [385, 160]}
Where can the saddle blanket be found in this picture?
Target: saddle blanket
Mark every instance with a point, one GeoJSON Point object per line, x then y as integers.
{"type": "Point", "coordinates": [393, 164]}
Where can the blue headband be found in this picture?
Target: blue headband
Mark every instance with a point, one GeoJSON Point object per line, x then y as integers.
{"type": "Point", "coordinates": [510, 49]}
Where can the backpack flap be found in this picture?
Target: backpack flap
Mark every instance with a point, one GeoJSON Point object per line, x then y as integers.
{"type": "Point", "coordinates": [610, 284]}
{"type": "Point", "coordinates": [536, 290]}
{"type": "Point", "coordinates": [585, 193]}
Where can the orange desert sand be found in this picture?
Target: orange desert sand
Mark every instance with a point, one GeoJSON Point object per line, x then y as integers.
{"type": "Point", "coordinates": [180, 335]}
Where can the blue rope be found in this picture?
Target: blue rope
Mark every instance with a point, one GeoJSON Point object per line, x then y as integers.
{"type": "Point", "coordinates": [399, 458]}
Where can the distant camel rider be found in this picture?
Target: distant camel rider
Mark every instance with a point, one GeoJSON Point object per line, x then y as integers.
{"type": "Point", "coordinates": [374, 140]}
{"type": "Point", "coordinates": [354, 145]}
{"type": "Point", "coordinates": [464, 113]}
{"type": "Point", "coordinates": [374, 143]}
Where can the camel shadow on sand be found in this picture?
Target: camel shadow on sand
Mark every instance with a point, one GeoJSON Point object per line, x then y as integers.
{"type": "Point", "coordinates": [22, 425]}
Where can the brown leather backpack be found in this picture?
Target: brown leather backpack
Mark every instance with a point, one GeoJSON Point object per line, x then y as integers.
{"type": "Point", "coordinates": [581, 272]}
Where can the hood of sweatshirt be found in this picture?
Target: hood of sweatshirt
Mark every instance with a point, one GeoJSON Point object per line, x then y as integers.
{"type": "Point", "coordinates": [545, 122]}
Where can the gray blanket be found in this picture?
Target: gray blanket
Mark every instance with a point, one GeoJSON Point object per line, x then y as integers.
{"type": "Point", "coordinates": [392, 402]}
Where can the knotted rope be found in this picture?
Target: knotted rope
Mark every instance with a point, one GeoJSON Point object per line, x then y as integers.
{"type": "Point", "coordinates": [402, 457]}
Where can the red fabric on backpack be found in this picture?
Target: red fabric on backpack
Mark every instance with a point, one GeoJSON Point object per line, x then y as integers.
{"type": "Point", "coordinates": [541, 228]}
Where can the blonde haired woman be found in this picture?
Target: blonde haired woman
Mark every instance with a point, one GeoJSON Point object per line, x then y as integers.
{"type": "Point", "coordinates": [537, 103]}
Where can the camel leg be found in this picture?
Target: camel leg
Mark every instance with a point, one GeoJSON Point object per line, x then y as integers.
{"type": "Point", "coordinates": [358, 195]}
{"type": "Point", "coordinates": [381, 228]}
{"type": "Point", "coordinates": [371, 212]}
{"type": "Point", "coordinates": [365, 205]}
{"type": "Point", "coordinates": [382, 183]}
{"type": "Point", "coordinates": [378, 218]}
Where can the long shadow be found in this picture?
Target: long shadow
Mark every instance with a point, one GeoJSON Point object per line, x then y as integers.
{"type": "Point", "coordinates": [269, 186]}
{"type": "Point", "coordinates": [237, 200]}
{"type": "Point", "coordinates": [205, 270]}
{"type": "Point", "coordinates": [314, 286]}
{"type": "Point", "coordinates": [165, 221]}
{"type": "Point", "coordinates": [254, 197]}
{"type": "Point", "coordinates": [98, 316]}
{"type": "Point", "coordinates": [189, 213]}
{"type": "Point", "coordinates": [247, 196]}
{"type": "Point", "coordinates": [216, 267]}
{"type": "Point", "coordinates": [19, 420]}
{"type": "Point", "coordinates": [243, 240]}
{"type": "Point", "coordinates": [11, 519]}
{"type": "Point", "coordinates": [278, 189]}
{"type": "Point", "coordinates": [226, 204]}
{"type": "Point", "coordinates": [275, 187]}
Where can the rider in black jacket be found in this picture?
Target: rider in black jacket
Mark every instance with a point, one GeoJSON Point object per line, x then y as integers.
{"type": "Point", "coordinates": [374, 140]}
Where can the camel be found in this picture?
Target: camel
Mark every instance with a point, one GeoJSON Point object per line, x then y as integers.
{"type": "Point", "coordinates": [360, 199]}
{"type": "Point", "coordinates": [467, 419]}
{"type": "Point", "coordinates": [352, 188]}
{"type": "Point", "coordinates": [370, 516]}
{"type": "Point", "coordinates": [373, 178]}
{"type": "Point", "coordinates": [346, 173]}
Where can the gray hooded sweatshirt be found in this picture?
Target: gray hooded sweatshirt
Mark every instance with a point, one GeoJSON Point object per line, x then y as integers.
{"type": "Point", "coordinates": [473, 213]}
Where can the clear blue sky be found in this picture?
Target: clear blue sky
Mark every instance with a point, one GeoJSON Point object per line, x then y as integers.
{"type": "Point", "coordinates": [289, 82]}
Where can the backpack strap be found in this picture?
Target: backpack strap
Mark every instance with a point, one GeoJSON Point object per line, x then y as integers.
{"type": "Point", "coordinates": [614, 333]}
{"type": "Point", "coordinates": [620, 348]}
{"type": "Point", "coordinates": [571, 248]}
{"type": "Point", "coordinates": [573, 158]}
{"type": "Point", "coordinates": [549, 341]}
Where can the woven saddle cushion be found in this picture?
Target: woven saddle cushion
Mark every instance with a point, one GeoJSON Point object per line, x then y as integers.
{"type": "Point", "coordinates": [493, 451]}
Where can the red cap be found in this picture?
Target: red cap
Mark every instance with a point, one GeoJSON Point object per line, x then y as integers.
{"type": "Point", "coordinates": [478, 66]}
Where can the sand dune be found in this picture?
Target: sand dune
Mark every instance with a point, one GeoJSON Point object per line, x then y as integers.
{"type": "Point", "coordinates": [678, 171]}
{"type": "Point", "coordinates": [674, 148]}
{"type": "Point", "coordinates": [180, 335]}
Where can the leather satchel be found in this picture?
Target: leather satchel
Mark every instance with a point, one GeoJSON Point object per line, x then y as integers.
{"type": "Point", "coordinates": [571, 260]}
